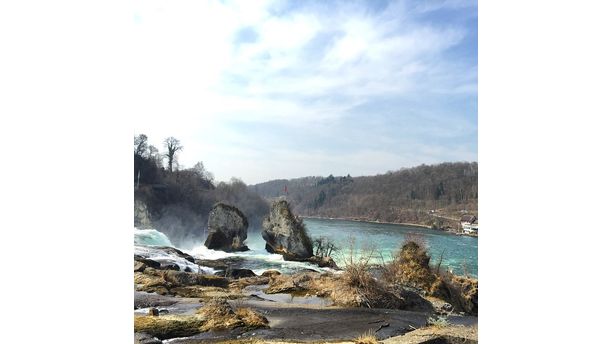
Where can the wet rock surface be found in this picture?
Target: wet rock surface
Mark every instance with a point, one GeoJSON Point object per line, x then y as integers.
{"type": "Point", "coordinates": [145, 338]}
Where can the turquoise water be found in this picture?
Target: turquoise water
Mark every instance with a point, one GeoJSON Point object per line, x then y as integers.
{"type": "Point", "coordinates": [386, 239]}
{"type": "Point", "coordinates": [382, 241]}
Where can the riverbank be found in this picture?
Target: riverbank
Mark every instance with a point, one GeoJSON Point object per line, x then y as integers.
{"type": "Point", "coordinates": [371, 221]}
{"type": "Point", "coordinates": [408, 224]}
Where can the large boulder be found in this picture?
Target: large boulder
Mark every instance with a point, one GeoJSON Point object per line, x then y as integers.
{"type": "Point", "coordinates": [286, 234]}
{"type": "Point", "coordinates": [227, 229]}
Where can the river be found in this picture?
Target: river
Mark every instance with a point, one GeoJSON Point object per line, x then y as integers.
{"type": "Point", "coordinates": [380, 241]}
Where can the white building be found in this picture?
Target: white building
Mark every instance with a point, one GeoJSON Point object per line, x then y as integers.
{"type": "Point", "coordinates": [469, 224]}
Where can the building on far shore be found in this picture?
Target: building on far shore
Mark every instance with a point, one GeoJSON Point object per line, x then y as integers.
{"type": "Point", "coordinates": [469, 224]}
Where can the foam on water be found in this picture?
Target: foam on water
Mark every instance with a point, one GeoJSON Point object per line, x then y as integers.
{"type": "Point", "coordinates": [157, 254]}
{"type": "Point", "coordinates": [150, 237]}
{"type": "Point", "coordinates": [459, 253]}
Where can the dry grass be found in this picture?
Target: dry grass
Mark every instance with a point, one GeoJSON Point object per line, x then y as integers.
{"type": "Point", "coordinates": [411, 268]}
{"type": "Point", "coordinates": [219, 315]}
{"type": "Point", "coordinates": [366, 338]}
{"type": "Point", "coordinates": [206, 293]}
{"type": "Point", "coordinates": [358, 287]}
{"type": "Point", "coordinates": [251, 318]}
{"type": "Point", "coordinates": [216, 315]}
{"type": "Point", "coordinates": [168, 326]}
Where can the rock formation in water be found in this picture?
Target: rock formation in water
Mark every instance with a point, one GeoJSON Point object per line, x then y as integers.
{"type": "Point", "coordinates": [285, 234]}
{"type": "Point", "coordinates": [227, 228]}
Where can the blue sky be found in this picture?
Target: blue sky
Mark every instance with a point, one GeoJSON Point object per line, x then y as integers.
{"type": "Point", "coordinates": [282, 89]}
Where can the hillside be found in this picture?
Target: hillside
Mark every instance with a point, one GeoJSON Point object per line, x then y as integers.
{"type": "Point", "coordinates": [177, 201]}
{"type": "Point", "coordinates": [404, 196]}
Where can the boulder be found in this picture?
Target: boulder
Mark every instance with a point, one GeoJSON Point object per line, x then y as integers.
{"type": "Point", "coordinates": [270, 273]}
{"type": "Point", "coordinates": [170, 266]}
{"type": "Point", "coordinates": [147, 262]}
{"type": "Point", "coordinates": [176, 252]}
{"type": "Point", "coordinates": [285, 234]}
{"type": "Point", "coordinates": [240, 273]}
{"type": "Point", "coordinates": [139, 267]}
{"type": "Point", "coordinates": [227, 229]}
{"type": "Point", "coordinates": [413, 301]}
{"type": "Point", "coordinates": [324, 262]}
{"type": "Point", "coordinates": [180, 278]}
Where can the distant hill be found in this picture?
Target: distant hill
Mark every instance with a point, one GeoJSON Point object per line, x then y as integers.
{"type": "Point", "coordinates": [405, 196]}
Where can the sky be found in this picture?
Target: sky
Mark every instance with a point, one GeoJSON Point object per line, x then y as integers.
{"type": "Point", "coordinates": [264, 90]}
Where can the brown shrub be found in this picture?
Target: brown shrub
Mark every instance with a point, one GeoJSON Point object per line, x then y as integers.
{"type": "Point", "coordinates": [463, 293]}
{"type": "Point", "coordinates": [366, 338]}
{"type": "Point", "coordinates": [411, 268]}
{"type": "Point", "coordinates": [357, 287]}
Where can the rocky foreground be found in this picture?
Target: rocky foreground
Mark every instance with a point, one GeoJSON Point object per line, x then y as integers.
{"type": "Point", "coordinates": [235, 305]}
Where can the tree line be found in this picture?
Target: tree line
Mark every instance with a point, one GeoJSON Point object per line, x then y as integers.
{"type": "Point", "coordinates": [179, 199]}
{"type": "Point", "coordinates": [405, 196]}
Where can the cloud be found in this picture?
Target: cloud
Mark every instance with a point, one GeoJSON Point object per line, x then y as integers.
{"type": "Point", "coordinates": [209, 69]}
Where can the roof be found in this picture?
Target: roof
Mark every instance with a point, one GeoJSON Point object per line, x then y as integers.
{"type": "Point", "coordinates": [469, 218]}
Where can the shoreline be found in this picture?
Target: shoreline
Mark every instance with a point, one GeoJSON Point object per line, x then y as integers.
{"type": "Point", "coordinates": [389, 223]}
{"type": "Point", "coordinates": [370, 221]}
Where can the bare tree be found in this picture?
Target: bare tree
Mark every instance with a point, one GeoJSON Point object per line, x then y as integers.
{"type": "Point", "coordinates": [173, 145]}
{"type": "Point", "coordinates": [140, 144]}
{"type": "Point", "coordinates": [202, 172]}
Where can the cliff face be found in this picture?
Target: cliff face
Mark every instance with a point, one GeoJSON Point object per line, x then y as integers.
{"type": "Point", "coordinates": [285, 234]}
{"type": "Point", "coordinates": [142, 216]}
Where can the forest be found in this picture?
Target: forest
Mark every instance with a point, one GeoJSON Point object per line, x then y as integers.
{"type": "Point", "coordinates": [431, 195]}
{"type": "Point", "coordinates": [179, 199]}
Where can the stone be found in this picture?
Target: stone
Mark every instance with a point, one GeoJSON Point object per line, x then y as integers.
{"type": "Point", "coordinates": [145, 338]}
{"type": "Point", "coordinates": [270, 273]}
{"type": "Point", "coordinates": [153, 311]}
{"type": "Point", "coordinates": [147, 262]}
{"type": "Point", "coordinates": [139, 266]}
{"type": "Point", "coordinates": [286, 234]}
{"type": "Point", "coordinates": [181, 278]}
{"type": "Point", "coordinates": [413, 301]}
{"type": "Point", "coordinates": [240, 273]}
{"type": "Point", "coordinates": [324, 262]}
{"type": "Point", "coordinates": [227, 229]}
{"type": "Point", "coordinates": [170, 266]}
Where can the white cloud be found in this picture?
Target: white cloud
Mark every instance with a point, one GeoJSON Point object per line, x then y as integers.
{"type": "Point", "coordinates": [308, 66]}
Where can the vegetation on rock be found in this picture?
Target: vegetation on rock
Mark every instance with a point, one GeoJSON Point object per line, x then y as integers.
{"type": "Point", "coordinates": [285, 233]}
